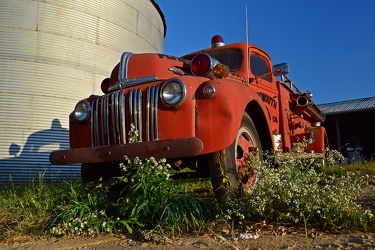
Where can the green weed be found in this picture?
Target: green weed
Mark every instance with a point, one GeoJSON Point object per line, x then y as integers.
{"type": "Point", "coordinates": [28, 208]}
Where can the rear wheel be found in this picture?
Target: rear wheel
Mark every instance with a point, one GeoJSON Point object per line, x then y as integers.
{"type": "Point", "coordinates": [231, 170]}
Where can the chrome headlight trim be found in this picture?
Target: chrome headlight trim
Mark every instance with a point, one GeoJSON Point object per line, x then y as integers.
{"type": "Point", "coordinates": [82, 111]}
{"type": "Point", "coordinates": [173, 93]}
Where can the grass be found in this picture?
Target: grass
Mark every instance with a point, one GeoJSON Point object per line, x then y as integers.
{"type": "Point", "coordinates": [363, 167]}
{"type": "Point", "coordinates": [26, 209]}
{"type": "Point", "coordinates": [185, 213]}
{"type": "Point", "coordinates": [285, 193]}
{"type": "Point", "coordinates": [369, 198]}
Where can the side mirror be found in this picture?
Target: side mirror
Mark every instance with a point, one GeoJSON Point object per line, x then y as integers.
{"type": "Point", "coordinates": [280, 69]}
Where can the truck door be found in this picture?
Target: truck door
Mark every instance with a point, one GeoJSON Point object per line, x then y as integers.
{"type": "Point", "coordinates": [263, 82]}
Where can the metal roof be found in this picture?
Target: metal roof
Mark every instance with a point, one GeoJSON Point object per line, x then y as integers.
{"type": "Point", "coordinates": [348, 106]}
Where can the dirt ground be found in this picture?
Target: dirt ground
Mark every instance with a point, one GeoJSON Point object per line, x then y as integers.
{"type": "Point", "coordinates": [265, 240]}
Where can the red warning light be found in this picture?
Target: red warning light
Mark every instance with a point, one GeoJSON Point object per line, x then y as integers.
{"type": "Point", "coordinates": [217, 41]}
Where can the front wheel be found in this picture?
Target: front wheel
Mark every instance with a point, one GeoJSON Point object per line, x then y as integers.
{"type": "Point", "coordinates": [231, 170]}
{"type": "Point", "coordinates": [99, 171]}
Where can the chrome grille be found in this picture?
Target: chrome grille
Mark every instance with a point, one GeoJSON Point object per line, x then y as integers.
{"type": "Point", "coordinates": [113, 114]}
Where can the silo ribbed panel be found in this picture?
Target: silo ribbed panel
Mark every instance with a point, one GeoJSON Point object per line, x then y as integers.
{"type": "Point", "coordinates": [52, 54]}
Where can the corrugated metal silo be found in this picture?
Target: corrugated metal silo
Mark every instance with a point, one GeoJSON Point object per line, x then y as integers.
{"type": "Point", "coordinates": [53, 53]}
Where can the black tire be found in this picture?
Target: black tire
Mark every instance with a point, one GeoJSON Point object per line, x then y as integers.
{"type": "Point", "coordinates": [99, 171]}
{"type": "Point", "coordinates": [227, 166]}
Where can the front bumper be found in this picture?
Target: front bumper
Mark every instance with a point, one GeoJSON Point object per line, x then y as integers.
{"type": "Point", "coordinates": [174, 148]}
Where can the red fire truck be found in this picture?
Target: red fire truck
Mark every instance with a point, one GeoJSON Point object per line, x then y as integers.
{"type": "Point", "coordinates": [208, 110]}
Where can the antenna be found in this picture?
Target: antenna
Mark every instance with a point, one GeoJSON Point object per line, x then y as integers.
{"type": "Point", "coordinates": [247, 50]}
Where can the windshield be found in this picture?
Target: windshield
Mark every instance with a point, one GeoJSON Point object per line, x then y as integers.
{"type": "Point", "coordinates": [232, 58]}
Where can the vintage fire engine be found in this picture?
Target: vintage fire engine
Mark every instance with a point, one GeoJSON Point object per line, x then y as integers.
{"type": "Point", "coordinates": [208, 110]}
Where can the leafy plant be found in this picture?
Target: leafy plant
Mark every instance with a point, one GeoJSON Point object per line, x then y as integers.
{"type": "Point", "coordinates": [147, 186]}
{"type": "Point", "coordinates": [300, 145]}
{"type": "Point", "coordinates": [292, 190]}
{"type": "Point", "coordinates": [84, 214]}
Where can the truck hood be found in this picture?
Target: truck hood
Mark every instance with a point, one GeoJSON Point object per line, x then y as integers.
{"type": "Point", "coordinates": [136, 69]}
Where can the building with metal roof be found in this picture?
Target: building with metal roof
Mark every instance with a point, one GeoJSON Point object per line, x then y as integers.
{"type": "Point", "coordinates": [362, 104]}
{"type": "Point", "coordinates": [350, 126]}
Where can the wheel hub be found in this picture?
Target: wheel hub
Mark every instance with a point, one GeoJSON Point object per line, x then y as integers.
{"type": "Point", "coordinates": [245, 148]}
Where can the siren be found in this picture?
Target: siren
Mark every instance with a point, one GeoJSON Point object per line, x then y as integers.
{"type": "Point", "coordinates": [205, 65]}
{"type": "Point", "coordinates": [217, 41]}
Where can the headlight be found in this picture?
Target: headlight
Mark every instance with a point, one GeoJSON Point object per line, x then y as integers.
{"type": "Point", "coordinates": [82, 111]}
{"type": "Point", "coordinates": [173, 93]}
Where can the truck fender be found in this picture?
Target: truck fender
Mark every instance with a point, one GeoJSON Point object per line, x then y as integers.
{"type": "Point", "coordinates": [218, 118]}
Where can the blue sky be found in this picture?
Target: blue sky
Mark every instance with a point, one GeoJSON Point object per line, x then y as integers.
{"type": "Point", "coordinates": [329, 44]}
